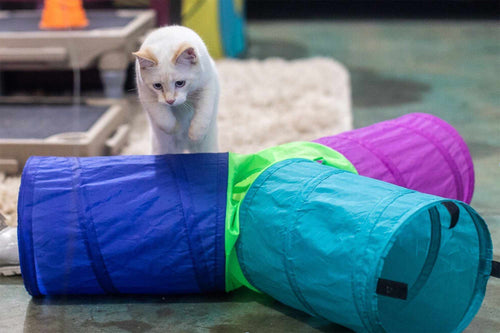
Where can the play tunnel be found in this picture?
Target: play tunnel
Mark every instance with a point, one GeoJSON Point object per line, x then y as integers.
{"type": "Point", "coordinates": [418, 151]}
{"type": "Point", "coordinates": [123, 224]}
{"type": "Point", "coordinates": [363, 253]}
{"type": "Point", "coordinates": [177, 224]}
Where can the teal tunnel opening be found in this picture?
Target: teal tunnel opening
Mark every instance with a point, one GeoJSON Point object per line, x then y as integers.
{"type": "Point", "coordinates": [440, 263]}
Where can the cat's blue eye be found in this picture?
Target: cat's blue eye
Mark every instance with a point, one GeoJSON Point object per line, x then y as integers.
{"type": "Point", "coordinates": [157, 86]}
{"type": "Point", "coordinates": [180, 84]}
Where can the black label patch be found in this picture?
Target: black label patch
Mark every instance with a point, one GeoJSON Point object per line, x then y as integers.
{"type": "Point", "coordinates": [495, 269]}
{"type": "Point", "coordinates": [392, 289]}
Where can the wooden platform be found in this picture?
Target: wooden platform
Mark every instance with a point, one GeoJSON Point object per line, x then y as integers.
{"type": "Point", "coordinates": [57, 127]}
{"type": "Point", "coordinates": [108, 43]}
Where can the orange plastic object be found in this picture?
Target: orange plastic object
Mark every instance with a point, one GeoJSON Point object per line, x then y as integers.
{"type": "Point", "coordinates": [63, 14]}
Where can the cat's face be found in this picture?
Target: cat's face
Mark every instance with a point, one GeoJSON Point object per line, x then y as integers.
{"type": "Point", "coordinates": [172, 79]}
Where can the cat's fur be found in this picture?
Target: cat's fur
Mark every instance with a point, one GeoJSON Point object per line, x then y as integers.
{"type": "Point", "coordinates": [181, 118]}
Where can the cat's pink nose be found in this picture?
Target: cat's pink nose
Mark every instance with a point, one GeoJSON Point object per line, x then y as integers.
{"type": "Point", "coordinates": [170, 101]}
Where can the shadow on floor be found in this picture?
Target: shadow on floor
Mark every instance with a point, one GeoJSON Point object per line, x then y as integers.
{"type": "Point", "coordinates": [139, 314]}
{"type": "Point", "coordinates": [371, 89]}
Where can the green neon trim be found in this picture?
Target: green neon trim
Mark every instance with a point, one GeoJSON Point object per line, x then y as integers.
{"type": "Point", "coordinates": [243, 170]}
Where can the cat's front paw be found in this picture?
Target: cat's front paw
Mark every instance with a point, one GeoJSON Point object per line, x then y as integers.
{"type": "Point", "coordinates": [197, 133]}
{"type": "Point", "coordinates": [170, 127]}
{"type": "Point", "coordinates": [168, 123]}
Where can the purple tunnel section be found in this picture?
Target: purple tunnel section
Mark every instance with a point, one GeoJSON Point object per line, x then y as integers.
{"type": "Point", "coordinates": [418, 151]}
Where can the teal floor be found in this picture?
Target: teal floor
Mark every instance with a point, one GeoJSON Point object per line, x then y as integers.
{"type": "Point", "coordinates": [448, 68]}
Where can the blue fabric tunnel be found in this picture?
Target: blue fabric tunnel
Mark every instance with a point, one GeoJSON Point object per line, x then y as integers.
{"type": "Point", "coordinates": [123, 224]}
{"type": "Point", "coordinates": [363, 253]}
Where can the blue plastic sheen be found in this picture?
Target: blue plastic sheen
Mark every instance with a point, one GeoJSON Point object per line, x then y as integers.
{"type": "Point", "coordinates": [319, 239]}
{"type": "Point", "coordinates": [123, 224]}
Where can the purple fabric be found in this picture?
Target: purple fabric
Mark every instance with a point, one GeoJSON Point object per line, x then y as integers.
{"type": "Point", "coordinates": [418, 151]}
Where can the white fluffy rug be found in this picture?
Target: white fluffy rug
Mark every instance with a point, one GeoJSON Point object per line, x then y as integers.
{"type": "Point", "coordinates": [262, 104]}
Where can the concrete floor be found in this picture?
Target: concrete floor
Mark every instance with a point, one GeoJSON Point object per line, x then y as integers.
{"type": "Point", "coordinates": [442, 67]}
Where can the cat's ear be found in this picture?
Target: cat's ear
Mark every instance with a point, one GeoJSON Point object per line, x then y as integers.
{"type": "Point", "coordinates": [146, 58]}
{"type": "Point", "coordinates": [185, 55]}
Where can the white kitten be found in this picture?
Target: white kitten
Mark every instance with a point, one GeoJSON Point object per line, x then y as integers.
{"type": "Point", "coordinates": [179, 90]}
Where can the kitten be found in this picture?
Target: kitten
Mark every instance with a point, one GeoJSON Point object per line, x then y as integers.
{"type": "Point", "coordinates": [179, 90]}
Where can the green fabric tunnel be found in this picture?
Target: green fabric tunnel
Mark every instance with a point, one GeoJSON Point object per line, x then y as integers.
{"type": "Point", "coordinates": [360, 252]}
